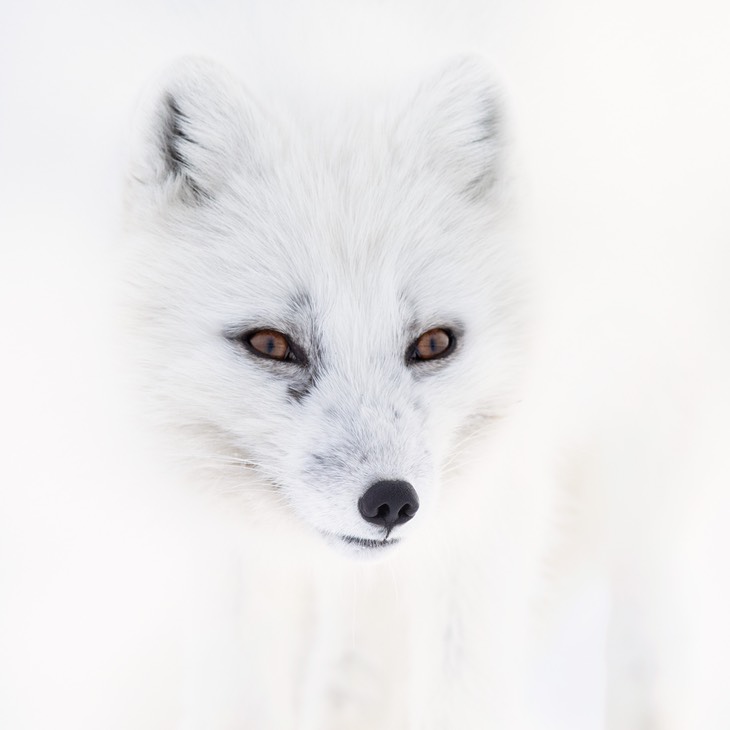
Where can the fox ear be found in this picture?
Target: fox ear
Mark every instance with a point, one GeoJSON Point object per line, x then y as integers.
{"type": "Point", "coordinates": [461, 109]}
{"type": "Point", "coordinates": [199, 129]}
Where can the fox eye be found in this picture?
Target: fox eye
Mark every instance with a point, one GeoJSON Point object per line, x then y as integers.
{"type": "Point", "coordinates": [270, 344]}
{"type": "Point", "coordinates": [431, 345]}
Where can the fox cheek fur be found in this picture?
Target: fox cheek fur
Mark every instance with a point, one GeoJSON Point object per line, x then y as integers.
{"type": "Point", "coordinates": [352, 241]}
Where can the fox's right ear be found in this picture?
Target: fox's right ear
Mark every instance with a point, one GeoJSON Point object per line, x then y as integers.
{"type": "Point", "coordinates": [456, 114]}
{"type": "Point", "coordinates": [196, 131]}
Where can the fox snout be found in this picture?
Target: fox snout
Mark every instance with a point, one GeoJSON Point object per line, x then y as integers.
{"type": "Point", "coordinates": [388, 503]}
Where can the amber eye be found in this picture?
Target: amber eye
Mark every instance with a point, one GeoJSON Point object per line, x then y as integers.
{"type": "Point", "coordinates": [432, 344]}
{"type": "Point", "coordinates": [271, 344]}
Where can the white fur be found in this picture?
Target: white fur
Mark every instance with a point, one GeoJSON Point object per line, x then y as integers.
{"type": "Point", "coordinates": [353, 238]}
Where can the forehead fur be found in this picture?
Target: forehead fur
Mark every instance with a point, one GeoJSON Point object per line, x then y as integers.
{"type": "Point", "coordinates": [391, 202]}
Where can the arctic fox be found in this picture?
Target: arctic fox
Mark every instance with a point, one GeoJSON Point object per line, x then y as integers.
{"type": "Point", "coordinates": [334, 322]}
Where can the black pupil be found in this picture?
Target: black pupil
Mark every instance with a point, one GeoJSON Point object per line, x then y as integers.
{"type": "Point", "coordinates": [270, 345]}
{"type": "Point", "coordinates": [433, 345]}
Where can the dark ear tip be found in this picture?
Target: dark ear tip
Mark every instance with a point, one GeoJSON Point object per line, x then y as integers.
{"type": "Point", "coordinates": [173, 133]}
{"type": "Point", "coordinates": [177, 140]}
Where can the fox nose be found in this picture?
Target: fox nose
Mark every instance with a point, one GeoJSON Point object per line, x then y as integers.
{"type": "Point", "coordinates": [388, 503]}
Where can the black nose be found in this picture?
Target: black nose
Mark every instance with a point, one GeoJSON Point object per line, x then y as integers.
{"type": "Point", "coordinates": [389, 503]}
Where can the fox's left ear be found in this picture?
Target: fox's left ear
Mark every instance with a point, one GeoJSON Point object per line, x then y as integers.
{"type": "Point", "coordinates": [197, 130]}
{"type": "Point", "coordinates": [458, 112]}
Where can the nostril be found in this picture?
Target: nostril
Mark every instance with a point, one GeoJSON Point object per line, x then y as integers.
{"type": "Point", "coordinates": [389, 503]}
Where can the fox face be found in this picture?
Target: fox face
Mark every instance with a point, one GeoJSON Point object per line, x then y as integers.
{"type": "Point", "coordinates": [329, 312]}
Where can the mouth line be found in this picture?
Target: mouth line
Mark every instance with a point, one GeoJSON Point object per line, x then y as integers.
{"type": "Point", "coordinates": [367, 543]}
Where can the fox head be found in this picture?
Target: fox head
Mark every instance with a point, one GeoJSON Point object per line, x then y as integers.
{"type": "Point", "coordinates": [329, 312]}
